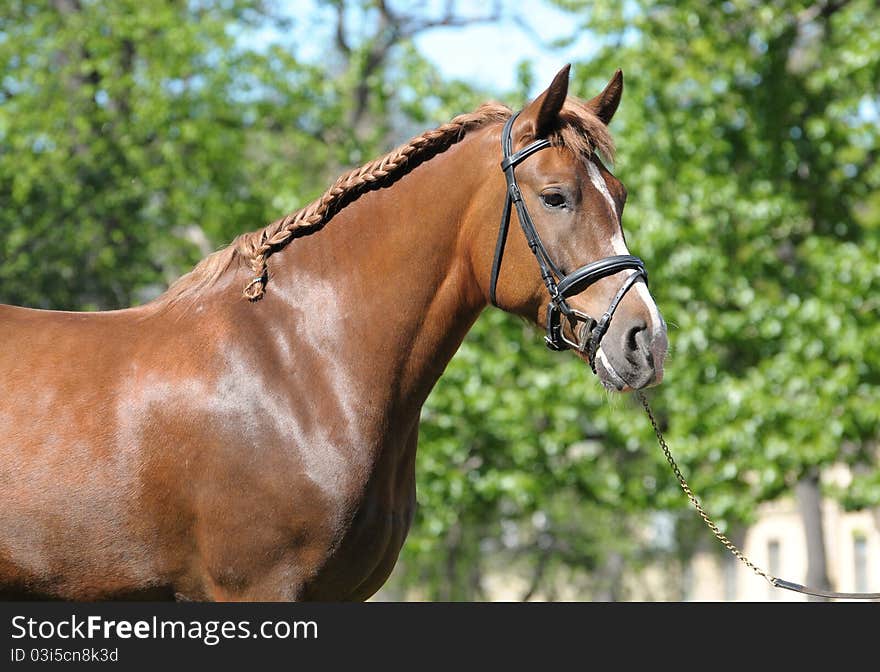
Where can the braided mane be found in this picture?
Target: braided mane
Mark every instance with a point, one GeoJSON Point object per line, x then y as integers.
{"type": "Point", "coordinates": [581, 131]}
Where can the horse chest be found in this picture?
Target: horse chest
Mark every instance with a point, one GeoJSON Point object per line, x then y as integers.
{"type": "Point", "coordinates": [369, 546]}
{"type": "Point", "coordinates": [364, 559]}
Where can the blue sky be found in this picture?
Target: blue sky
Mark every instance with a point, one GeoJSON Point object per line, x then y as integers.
{"type": "Point", "coordinates": [488, 54]}
{"type": "Point", "coordinates": [485, 54]}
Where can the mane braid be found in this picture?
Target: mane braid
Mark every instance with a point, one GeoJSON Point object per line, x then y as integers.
{"type": "Point", "coordinates": [257, 247]}
{"type": "Point", "coordinates": [581, 132]}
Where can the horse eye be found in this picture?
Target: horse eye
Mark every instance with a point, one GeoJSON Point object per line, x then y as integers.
{"type": "Point", "coordinates": [553, 199]}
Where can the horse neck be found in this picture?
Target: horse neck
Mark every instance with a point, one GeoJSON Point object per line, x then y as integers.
{"type": "Point", "coordinates": [387, 287]}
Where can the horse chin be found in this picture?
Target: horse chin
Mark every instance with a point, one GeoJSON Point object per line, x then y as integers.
{"type": "Point", "coordinates": [615, 381]}
{"type": "Point", "coordinates": [608, 376]}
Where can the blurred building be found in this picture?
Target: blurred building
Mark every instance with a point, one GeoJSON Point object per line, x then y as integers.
{"type": "Point", "coordinates": [776, 543]}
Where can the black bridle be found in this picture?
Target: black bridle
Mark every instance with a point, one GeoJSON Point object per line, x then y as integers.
{"type": "Point", "coordinates": [559, 285]}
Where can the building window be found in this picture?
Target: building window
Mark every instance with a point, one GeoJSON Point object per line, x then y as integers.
{"type": "Point", "coordinates": [729, 568]}
{"type": "Point", "coordinates": [773, 562]}
{"type": "Point", "coordinates": [860, 562]}
{"type": "Point", "coordinates": [687, 581]}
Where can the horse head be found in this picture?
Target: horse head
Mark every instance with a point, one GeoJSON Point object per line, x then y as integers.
{"type": "Point", "coordinates": [569, 269]}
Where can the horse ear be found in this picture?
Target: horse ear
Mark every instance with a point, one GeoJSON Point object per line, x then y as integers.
{"type": "Point", "coordinates": [605, 104]}
{"type": "Point", "coordinates": [543, 111]}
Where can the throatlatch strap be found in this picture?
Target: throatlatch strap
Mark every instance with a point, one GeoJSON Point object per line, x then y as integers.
{"type": "Point", "coordinates": [499, 249]}
{"type": "Point", "coordinates": [514, 198]}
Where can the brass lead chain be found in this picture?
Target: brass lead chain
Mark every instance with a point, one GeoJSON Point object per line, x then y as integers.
{"type": "Point", "coordinates": [772, 580]}
{"type": "Point", "coordinates": [729, 545]}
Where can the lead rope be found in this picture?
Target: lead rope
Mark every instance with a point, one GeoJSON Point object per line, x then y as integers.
{"type": "Point", "coordinates": [729, 545]}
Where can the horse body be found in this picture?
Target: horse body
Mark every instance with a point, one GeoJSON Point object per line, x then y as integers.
{"type": "Point", "coordinates": [166, 448]}
{"type": "Point", "coordinates": [207, 447]}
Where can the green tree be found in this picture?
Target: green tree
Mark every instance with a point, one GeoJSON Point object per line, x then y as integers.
{"type": "Point", "coordinates": [116, 140]}
{"type": "Point", "coordinates": [749, 142]}
{"type": "Point", "coordinates": [527, 465]}
{"type": "Point", "coordinates": [137, 137]}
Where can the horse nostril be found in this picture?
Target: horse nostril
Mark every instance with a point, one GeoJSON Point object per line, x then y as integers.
{"type": "Point", "coordinates": [638, 345]}
{"type": "Point", "coordinates": [631, 339]}
{"type": "Point", "coordinates": [636, 337]}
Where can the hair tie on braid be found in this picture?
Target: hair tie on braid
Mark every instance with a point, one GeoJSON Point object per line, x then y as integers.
{"type": "Point", "coordinates": [255, 289]}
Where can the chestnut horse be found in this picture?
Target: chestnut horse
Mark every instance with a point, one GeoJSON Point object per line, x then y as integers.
{"type": "Point", "coordinates": [214, 446]}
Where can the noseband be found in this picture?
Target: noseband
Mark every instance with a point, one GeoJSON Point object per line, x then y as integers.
{"type": "Point", "coordinates": [559, 285]}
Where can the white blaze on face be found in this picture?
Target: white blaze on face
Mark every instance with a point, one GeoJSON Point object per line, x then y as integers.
{"type": "Point", "coordinates": [619, 246]}
{"type": "Point", "coordinates": [599, 182]}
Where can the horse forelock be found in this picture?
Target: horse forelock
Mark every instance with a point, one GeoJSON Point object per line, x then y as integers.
{"type": "Point", "coordinates": [580, 131]}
